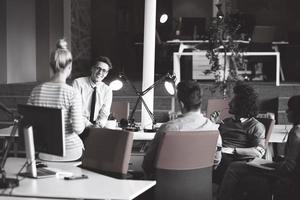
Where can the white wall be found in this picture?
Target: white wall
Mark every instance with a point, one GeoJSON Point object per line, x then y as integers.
{"type": "Point", "coordinates": [21, 45]}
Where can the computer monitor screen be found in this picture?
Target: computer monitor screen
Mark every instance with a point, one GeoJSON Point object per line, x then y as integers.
{"type": "Point", "coordinates": [263, 34]}
{"type": "Point", "coordinates": [48, 128]}
{"type": "Point", "coordinates": [192, 27]}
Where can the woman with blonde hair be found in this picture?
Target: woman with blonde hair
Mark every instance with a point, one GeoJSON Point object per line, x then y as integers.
{"type": "Point", "coordinates": [56, 93]}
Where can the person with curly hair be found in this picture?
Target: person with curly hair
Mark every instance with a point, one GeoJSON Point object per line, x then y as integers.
{"type": "Point", "coordinates": [243, 181]}
{"type": "Point", "coordinates": [243, 136]}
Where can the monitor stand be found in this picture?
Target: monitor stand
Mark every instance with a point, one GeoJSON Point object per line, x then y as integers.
{"type": "Point", "coordinates": [31, 169]}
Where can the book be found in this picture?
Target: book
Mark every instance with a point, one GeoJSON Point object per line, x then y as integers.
{"type": "Point", "coordinates": [262, 163]}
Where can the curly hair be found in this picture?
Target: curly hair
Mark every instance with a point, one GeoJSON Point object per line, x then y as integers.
{"type": "Point", "coordinates": [190, 94]}
{"type": "Point", "coordinates": [245, 100]}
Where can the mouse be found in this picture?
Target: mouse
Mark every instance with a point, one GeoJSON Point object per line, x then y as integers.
{"type": "Point", "coordinates": [40, 164]}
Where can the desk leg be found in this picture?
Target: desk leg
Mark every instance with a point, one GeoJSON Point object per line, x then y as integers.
{"type": "Point", "coordinates": [176, 67]}
{"type": "Point", "coordinates": [276, 49]}
{"type": "Point", "coordinates": [277, 69]}
{"type": "Point", "coordinates": [269, 152]}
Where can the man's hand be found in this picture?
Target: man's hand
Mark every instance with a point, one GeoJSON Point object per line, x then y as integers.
{"type": "Point", "coordinates": [215, 117]}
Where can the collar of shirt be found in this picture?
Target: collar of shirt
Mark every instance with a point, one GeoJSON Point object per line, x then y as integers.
{"type": "Point", "coordinates": [193, 113]}
{"type": "Point", "coordinates": [92, 84]}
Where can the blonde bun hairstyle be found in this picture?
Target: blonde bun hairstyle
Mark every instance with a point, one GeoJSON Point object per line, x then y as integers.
{"type": "Point", "coordinates": [61, 57]}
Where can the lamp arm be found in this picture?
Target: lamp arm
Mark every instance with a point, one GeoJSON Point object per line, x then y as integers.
{"type": "Point", "coordinates": [154, 85]}
{"type": "Point", "coordinates": [122, 76]}
{"type": "Point", "coordinates": [134, 109]}
{"type": "Point", "coordinates": [7, 144]}
{"type": "Point", "coordinates": [148, 111]}
{"type": "Point", "coordinates": [140, 98]}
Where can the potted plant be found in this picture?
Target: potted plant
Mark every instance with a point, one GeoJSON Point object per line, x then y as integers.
{"type": "Point", "coordinates": [225, 50]}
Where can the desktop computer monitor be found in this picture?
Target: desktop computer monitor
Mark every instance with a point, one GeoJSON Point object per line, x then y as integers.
{"type": "Point", "coordinates": [48, 128]}
{"type": "Point", "coordinates": [193, 27]}
{"type": "Point", "coordinates": [263, 34]}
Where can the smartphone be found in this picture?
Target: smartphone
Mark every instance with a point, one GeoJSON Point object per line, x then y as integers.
{"type": "Point", "coordinates": [75, 177]}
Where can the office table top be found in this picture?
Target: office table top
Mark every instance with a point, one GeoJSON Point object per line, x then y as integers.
{"type": "Point", "coordinates": [276, 137]}
{"type": "Point", "coordinates": [279, 134]}
{"type": "Point", "coordinates": [97, 186]}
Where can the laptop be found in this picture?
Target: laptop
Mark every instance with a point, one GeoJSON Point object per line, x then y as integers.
{"type": "Point", "coordinates": [108, 151]}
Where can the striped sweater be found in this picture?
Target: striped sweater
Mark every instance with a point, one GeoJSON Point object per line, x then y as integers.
{"type": "Point", "coordinates": [61, 95]}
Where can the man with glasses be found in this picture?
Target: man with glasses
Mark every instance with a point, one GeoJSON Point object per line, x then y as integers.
{"type": "Point", "coordinates": [96, 96]}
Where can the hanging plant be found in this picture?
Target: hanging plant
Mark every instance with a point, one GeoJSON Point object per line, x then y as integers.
{"type": "Point", "coordinates": [224, 52]}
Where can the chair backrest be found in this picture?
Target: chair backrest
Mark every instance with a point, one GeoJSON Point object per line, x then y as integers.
{"type": "Point", "coordinates": [120, 109]}
{"type": "Point", "coordinates": [221, 105]}
{"type": "Point", "coordinates": [108, 151]}
{"type": "Point", "coordinates": [269, 125]}
{"type": "Point", "coordinates": [184, 165]}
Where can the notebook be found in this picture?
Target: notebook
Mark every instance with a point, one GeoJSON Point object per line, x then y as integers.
{"type": "Point", "coordinates": [261, 163]}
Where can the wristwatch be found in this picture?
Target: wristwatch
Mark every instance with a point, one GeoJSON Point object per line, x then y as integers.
{"type": "Point", "coordinates": [234, 151]}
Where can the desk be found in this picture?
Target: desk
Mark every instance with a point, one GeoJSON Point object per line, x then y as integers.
{"type": "Point", "coordinates": [97, 186]}
{"type": "Point", "coordinates": [279, 135]}
{"type": "Point", "coordinates": [183, 44]}
{"type": "Point", "coordinates": [141, 135]}
{"type": "Point", "coordinates": [176, 61]}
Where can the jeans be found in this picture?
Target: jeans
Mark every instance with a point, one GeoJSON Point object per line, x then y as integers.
{"type": "Point", "coordinates": [236, 182]}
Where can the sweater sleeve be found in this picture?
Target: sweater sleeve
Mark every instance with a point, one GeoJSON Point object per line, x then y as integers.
{"type": "Point", "coordinates": [76, 113]}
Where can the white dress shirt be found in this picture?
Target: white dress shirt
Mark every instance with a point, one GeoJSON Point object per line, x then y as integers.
{"type": "Point", "coordinates": [103, 100]}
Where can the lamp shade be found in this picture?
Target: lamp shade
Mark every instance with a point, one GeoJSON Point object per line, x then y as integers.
{"type": "Point", "coordinates": [163, 18]}
{"type": "Point", "coordinates": [116, 84]}
{"type": "Point", "coordinates": [169, 86]}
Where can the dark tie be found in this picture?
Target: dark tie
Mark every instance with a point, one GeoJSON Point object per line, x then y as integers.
{"type": "Point", "coordinates": [93, 106]}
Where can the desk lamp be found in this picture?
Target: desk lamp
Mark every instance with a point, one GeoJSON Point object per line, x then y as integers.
{"type": "Point", "coordinates": [164, 18]}
{"type": "Point", "coordinates": [4, 181]}
{"type": "Point", "coordinates": [169, 83]}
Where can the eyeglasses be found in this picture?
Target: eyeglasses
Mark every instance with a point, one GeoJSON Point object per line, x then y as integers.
{"type": "Point", "coordinates": [100, 69]}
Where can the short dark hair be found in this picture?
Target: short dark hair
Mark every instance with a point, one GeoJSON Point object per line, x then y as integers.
{"type": "Point", "coordinates": [190, 94]}
{"type": "Point", "coordinates": [103, 59]}
{"type": "Point", "coordinates": [294, 106]}
{"type": "Point", "coordinates": [245, 100]}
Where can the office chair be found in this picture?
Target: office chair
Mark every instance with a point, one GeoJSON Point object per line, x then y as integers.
{"type": "Point", "coordinates": [108, 151]}
{"type": "Point", "coordinates": [184, 165]}
{"type": "Point", "coordinates": [120, 109]}
{"type": "Point", "coordinates": [218, 104]}
{"type": "Point", "coordinates": [269, 125]}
